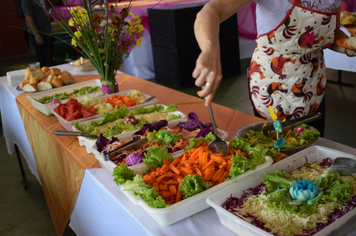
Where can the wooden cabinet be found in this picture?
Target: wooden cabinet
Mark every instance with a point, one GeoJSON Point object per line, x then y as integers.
{"type": "Point", "coordinates": [12, 40]}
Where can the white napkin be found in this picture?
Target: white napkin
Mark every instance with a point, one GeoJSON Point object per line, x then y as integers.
{"type": "Point", "coordinates": [15, 77]}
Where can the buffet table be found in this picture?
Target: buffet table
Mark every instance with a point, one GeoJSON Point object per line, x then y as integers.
{"type": "Point", "coordinates": [61, 162]}
{"type": "Point", "coordinates": [75, 186]}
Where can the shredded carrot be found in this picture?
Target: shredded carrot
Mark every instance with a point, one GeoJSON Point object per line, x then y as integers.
{"type": "Point", "coordinates": [199, 160]}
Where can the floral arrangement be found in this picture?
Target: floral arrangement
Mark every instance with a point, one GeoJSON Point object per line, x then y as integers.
{"type": "Point", "coordinates": [106, 39]}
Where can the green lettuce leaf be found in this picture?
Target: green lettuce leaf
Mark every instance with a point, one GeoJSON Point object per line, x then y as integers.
{"type": "Point", "coordinates": [239, 165]}
{"type": "Point", "coordinates": [171, 108]}
{"type": "Point", "coordinates": [145, 191]}
{"type": "Point", "coordinates": [277, 179]}
{"type": "Point", "coordinates": [117, 113]}
{"type": "Point", "coordinates": [122, 173]}
{"type": "Point", "coordinates": [194, 141]}
{"type": "Point", "coordinates": [192, 185]}
{"type": "Point", "coordinates": [155, 155]}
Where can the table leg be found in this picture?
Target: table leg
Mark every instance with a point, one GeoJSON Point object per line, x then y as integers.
{"type": "Point", "coordinates": [21, 167]}
{"type": "Point", "coordinates": [339, 82]}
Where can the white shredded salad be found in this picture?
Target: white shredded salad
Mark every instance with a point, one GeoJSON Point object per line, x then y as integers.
{"type": "Point", "coordinates": [285, 223]}
{"type": "Point", "coordinates": [351, 42]}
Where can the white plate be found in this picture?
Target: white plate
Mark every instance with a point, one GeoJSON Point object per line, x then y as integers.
{"type": "Point", "coordinates": [68, 125]}
{"type": "Point", "coordinates": [192, 205]}
{"type": "Point", "coordinates": [140, 168]}
{"type": "Point", "coordinates": [243, 228]}
{"type": "Point", "coordinates": [46, 108]}
{"type": "Point", "coordinates": [88, 143]}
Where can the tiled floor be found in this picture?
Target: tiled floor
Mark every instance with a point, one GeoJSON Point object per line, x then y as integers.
{"type": "Point", "coordinates": [24, 212]}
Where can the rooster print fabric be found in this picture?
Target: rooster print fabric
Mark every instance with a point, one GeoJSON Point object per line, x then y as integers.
{"type": "Point", "coordinates": [287, 69]}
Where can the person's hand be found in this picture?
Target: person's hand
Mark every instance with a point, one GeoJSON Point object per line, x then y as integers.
{"type": "Point", "coordinates": [350, 52]}
{"type": "Point", "coordinates": [207, 72]}
{"type": "Point", "coordinates": [39, 40]}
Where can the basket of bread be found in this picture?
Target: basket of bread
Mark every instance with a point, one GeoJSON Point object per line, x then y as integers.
{"type": "Point", "coordinates": [44, 78]}
{"type": "Point", "coordinates": [348, 18]}
{"type": "Point", "coordinates": [82, 64]}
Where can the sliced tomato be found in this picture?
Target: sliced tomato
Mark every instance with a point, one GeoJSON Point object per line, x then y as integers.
{"type": "Point", "coordinates": [70, 117]}
{"type": "Point", "coordinates": [86, 113]}
{"type": "Point", "coordinates": [91, 110]}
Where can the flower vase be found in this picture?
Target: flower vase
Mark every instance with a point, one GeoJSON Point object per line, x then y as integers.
{"type": "Point", "coordinates": [106, 88]}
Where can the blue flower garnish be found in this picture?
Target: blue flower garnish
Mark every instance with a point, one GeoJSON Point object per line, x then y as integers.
{"type": "Point", "coordinates": [162, 133]}
{"type": "Point", "coordinates": [305, 191]}
{"type": "Point", "coordinates": [278, 126]}
{"type": "Point", "coordinates": [279, 143]}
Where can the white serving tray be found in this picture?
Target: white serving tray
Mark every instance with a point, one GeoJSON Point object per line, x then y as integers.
{"type": "Point", "coordinates": [139, 168]}
{"type": "Point", "coordinates": [190, 206]}
{"type": "Point", "coordinates": [88, 142]}
{"type": "Point", "coordinates": [243, 228]}
{"type": "Point", "coordinates": [68, 125]}
{"type": "Point", "coordinates": [47, 108]}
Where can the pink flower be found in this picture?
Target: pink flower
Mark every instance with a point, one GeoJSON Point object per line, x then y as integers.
{"type": "Point", "coordinates": [309, 38]}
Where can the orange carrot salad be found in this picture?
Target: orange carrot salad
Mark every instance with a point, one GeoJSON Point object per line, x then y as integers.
{"type": "Point", "coordinates": [118, 100]}
{"type": "Point", "coordinates": [213, 168]}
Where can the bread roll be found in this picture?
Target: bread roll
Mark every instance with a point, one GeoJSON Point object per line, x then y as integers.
{"type": "Point", "coordinates": [56, 71]}
{"type": "Point", "coordinates": [56, 82]}
{"type": "Point", "coordinates": [34, 80]}
{"type": "Point", "coordinates": [66, 78]}
{"type": "Point", "coordinates": [43, 86]}
{"type": "Point", "coordinates": [23, 83]}
{"type": "Point", "coordinates": [46, 74]}
{"type": "Point", "coordinates": [45, 69]}
{"type": "Point", "coordinates": [27, 73]}
{"type": "Point", "coordinates": [37, 74]}
{"type": "Point", "coordinates": [31, 87]}
{"type": "Point", "coordinates": [50, 78]}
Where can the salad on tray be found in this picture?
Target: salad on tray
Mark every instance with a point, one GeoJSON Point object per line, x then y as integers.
{"type": "Point", "coordinates": [122, 120]}
{"type": "Point", "coordinates": [299, 203]}
{"type": "Point", "coordinates": [174, 138]}
{"type": "Point", "coordinates": [169, 180]}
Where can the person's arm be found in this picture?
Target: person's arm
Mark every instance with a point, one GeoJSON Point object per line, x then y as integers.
{"type": "Point", "coordinates": [338, 35]}
{"type": "Point", "coordinates": [34, 30]}
{"type": "Point", "coordinates": [206, 28]}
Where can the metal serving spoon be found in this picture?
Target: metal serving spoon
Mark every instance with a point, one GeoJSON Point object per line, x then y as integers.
{"type": "Point", "coordinates": [344, 166]}
{"type": "Point", "coordinates": [218, 145]}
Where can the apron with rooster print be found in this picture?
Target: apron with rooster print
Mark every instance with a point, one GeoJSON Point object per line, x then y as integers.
{"type": "Point", "coordinates": [287, 69]}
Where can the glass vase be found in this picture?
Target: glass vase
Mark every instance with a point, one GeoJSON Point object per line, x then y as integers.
{"type": "Point", "coordinates": [106, 87]}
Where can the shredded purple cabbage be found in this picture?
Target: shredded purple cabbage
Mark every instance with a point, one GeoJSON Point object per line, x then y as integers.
{"type": "Point", "coordinates": [151, 126]}
{"type": "Point", "coordinates": [102, 143]}
{"type": "Point", "coordinates": [193, 123]}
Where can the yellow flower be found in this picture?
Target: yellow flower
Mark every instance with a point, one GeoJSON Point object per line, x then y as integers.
{"type": "Point", "coordinates": [78, 34]}
{"type": "Point", "coordinates": [133, 16]}
{"type": "Point", "coordinates": [71, 22]}
{"type": "Point", "coordinates": [74, 43]}
{"type": "Point", "coordinates": [138, 42]}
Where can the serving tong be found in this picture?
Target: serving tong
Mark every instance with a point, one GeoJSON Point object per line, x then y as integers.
{"type": "Point", "coordinates": [73, 133]}
{"type": "Point", "coordinates": [137, 142]}
{"type": "Point", "coordinates": [344, 166]}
